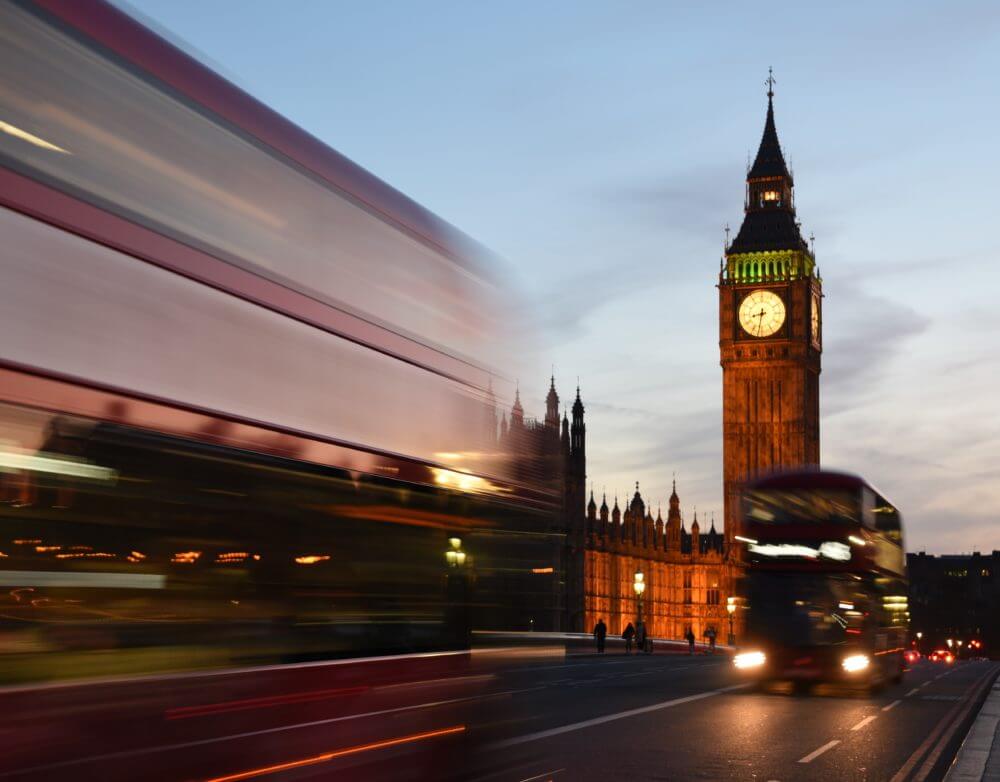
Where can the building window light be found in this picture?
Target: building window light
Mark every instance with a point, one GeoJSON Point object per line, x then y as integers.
{"type": "Point", "coordinates": [770, 195]}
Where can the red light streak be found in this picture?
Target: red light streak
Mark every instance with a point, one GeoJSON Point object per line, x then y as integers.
{"type": "Point", "coordinates": [183, 712]}
{"type": "Point", "coordinates": [256, 772]}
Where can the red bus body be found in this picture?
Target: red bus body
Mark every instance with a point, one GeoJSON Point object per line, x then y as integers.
{"type": "Point", "coordinates": [825, 587]}
{"type": "Point", "coordinates": [246, 405]}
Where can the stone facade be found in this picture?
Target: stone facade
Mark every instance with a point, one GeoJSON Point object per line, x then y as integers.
{"type": "Point", "coordinates": [688, 575]}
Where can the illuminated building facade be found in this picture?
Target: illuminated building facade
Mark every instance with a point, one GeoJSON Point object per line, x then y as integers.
{"type": "Point", "coordinates": [686, 572]}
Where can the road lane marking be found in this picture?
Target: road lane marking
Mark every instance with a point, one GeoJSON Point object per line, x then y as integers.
{"type": "Point", "coordinates": [544, 734]}
{"type": "Point", "coordinates": [925, 684]}
{"type": "Point", "coordinates": [914, 691]}
{"type": "Point", "coordinates": [946, 725]}
{"type": "Point", "coordinates": [543, 776]}
{"type": "Point", "coordinates": [865, 721]}
{"type": "Point", "coordinates": [891, 706]}
{"type": "Point", "coordinates": [816, 753]}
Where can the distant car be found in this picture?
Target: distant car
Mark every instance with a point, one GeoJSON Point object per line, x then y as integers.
{"type": "Point", "coordinates": [941, 656]}
{"type": "Point", "coordinates": [911, 656]}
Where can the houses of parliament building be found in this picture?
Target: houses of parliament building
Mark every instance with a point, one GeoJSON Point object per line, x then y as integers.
{"type": "Point", "coordinates": [770, 345]}
{"type": "Point", "coordinates": [686, 571]}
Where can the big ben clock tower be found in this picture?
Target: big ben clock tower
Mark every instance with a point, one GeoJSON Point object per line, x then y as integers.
{"type": "Point", "coordinates": [770, 333]}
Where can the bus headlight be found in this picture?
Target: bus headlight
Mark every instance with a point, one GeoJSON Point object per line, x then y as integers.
{"type": "Point", "coordinates": [856, 662]}
{"type": "Point", "coordinates": [749, 660]}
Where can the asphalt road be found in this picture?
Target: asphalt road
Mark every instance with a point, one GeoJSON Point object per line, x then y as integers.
{"type": "Point", "coordinates": [516, 716]}
{"type": "Point", "coordinates": [688, 718]}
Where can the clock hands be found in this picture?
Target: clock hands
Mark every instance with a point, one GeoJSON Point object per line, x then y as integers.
{"type": "Point", "coordinates": [760, 320]}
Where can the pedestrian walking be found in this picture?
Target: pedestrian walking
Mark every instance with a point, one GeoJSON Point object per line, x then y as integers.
{"type": "Point", "coordinates": [689, 635]}
{"type": "Point", "coordinates": [628, 635]}
{"type": "Point", "coordinates": [640, 636]}
{"type": "Point", "coordinates": [710, 634]}
{"type": "Point", "coordinates": [600, 633]}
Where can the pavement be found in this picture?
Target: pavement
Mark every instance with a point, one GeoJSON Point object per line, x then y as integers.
{"type": "Point", "coordinates": [979, 756]}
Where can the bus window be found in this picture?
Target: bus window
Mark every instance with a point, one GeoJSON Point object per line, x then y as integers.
{"type": "Point", "coordinates": [802, 506]}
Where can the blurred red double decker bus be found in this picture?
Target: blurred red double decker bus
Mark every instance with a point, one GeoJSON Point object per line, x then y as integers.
{"type": "Point", "coordinates": [825, 589]}
{"type": "Point", "coordinates": [246, 427]}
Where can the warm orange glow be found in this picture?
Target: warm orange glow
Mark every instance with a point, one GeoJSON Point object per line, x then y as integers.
{"type": "Point", "coordinates": [231, 556]}
{"type": "Point", "coordinates": [541, 570]}
{"type": "Point", "coordinates": [257, 772]}
{"type": "Point", "coordinates": [312, 559]}
{"type": "Point", "coordinates": [43, 549]}
{"type": "Point", "coordinates": [186, 556]}
{"type": "Point", "coordinates": [86, 555]}
{"type": "Point", "coordinates": [26, 542]}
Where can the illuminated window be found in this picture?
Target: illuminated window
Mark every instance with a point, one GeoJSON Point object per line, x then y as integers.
{"type": "Point", "coordinates": [770, 195]}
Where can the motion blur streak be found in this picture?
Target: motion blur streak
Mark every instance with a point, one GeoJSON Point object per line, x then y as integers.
{"type": "Point", "coordinates": [257, 772]}
{"type": "Point", "coordinates": [256, 703]}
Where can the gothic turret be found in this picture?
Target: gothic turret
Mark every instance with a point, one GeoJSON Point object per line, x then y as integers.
{"type": "Point", "coordinates": [604, 514]}
{"type": "Point", "coordinates": [517, 411]}
{"type": "Point", "coordinates": [592, 508]}
{"type": "Point", "coordinates": [674, 521]}
{"type": "Point", "coordinates": [552, 405]}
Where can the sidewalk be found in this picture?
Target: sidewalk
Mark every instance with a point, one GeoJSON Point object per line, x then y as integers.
{"type": "Point", "coordinates": [978, 758]}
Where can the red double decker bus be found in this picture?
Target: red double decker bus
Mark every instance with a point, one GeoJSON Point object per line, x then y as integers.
{"type": "Point", "coordinates": [248, 455]}
{"type": "Point", "coordinates": [825, 588]}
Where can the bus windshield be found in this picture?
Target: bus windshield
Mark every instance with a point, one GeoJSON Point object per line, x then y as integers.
{"type": "Point", "coordinates": [803, 506]}
{"type": "Point", "coordinates": [798, 609]}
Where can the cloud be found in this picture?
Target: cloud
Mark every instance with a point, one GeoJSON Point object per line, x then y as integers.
{"type": "Point", "coordinates": [871, 331]}
{"type": "Point", "coordinates": [688, 202]}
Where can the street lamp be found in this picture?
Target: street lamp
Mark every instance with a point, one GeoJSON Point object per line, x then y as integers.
{"type": "Point", "coordinates": [639, 585]}
{"type": "Point", "coordinates": [731, 609]}
{"type": "Point", "coordinates": [950, 643]}
{"type": "Point", "coordinates": [454, 556]}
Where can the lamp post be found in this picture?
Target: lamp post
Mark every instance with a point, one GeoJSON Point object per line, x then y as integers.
{"type": "Point", "coordinates": [457, 620]}
{"type": "Point", "coordinates": [919, 636]}
{"type": "Point", "coordinates": [731, 609]}
{"type": "Point", "coordinates": [639, 585]}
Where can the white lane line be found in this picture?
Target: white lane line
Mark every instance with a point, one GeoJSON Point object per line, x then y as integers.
{"type": "Point", "coordinates": [547, 774]}
{"type": "Point", "coordinates": [891, 706]}
{"type": "Point", "coordinates": [544, 734]}
{"type": "Point", "coordinates": [864, 722]}
{"type": "Point", "coordinates": [816, 753]}
{"type": "Point", "coordinates": [912, 692]}
{"type": "Point", "coordinates": [924, 684]}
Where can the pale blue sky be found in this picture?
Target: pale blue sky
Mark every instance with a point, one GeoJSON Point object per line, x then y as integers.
{"type": "Point", "coordinates": [601, 148]}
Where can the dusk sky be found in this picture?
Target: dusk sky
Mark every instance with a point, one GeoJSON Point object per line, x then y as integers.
{"type": "Point", "coordinates": [601, 149]}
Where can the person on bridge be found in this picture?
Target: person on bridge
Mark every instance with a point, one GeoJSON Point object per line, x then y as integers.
{"type": "Point", "coordinates": [600, 633]}
{"type": "Point", "coordinates": [689, 635]}
{"type": "Point", "coordinates": [710, 634]}
{"type": "Point", "coordinates": [640, 636]}
{"type": "Point", "coordinates": [628, 635]}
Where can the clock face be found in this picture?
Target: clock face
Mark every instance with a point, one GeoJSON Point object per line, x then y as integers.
{"type": "Point", "coordinates": [815, 318]}
{"type": "Point", "coordinates": [762, 313]}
